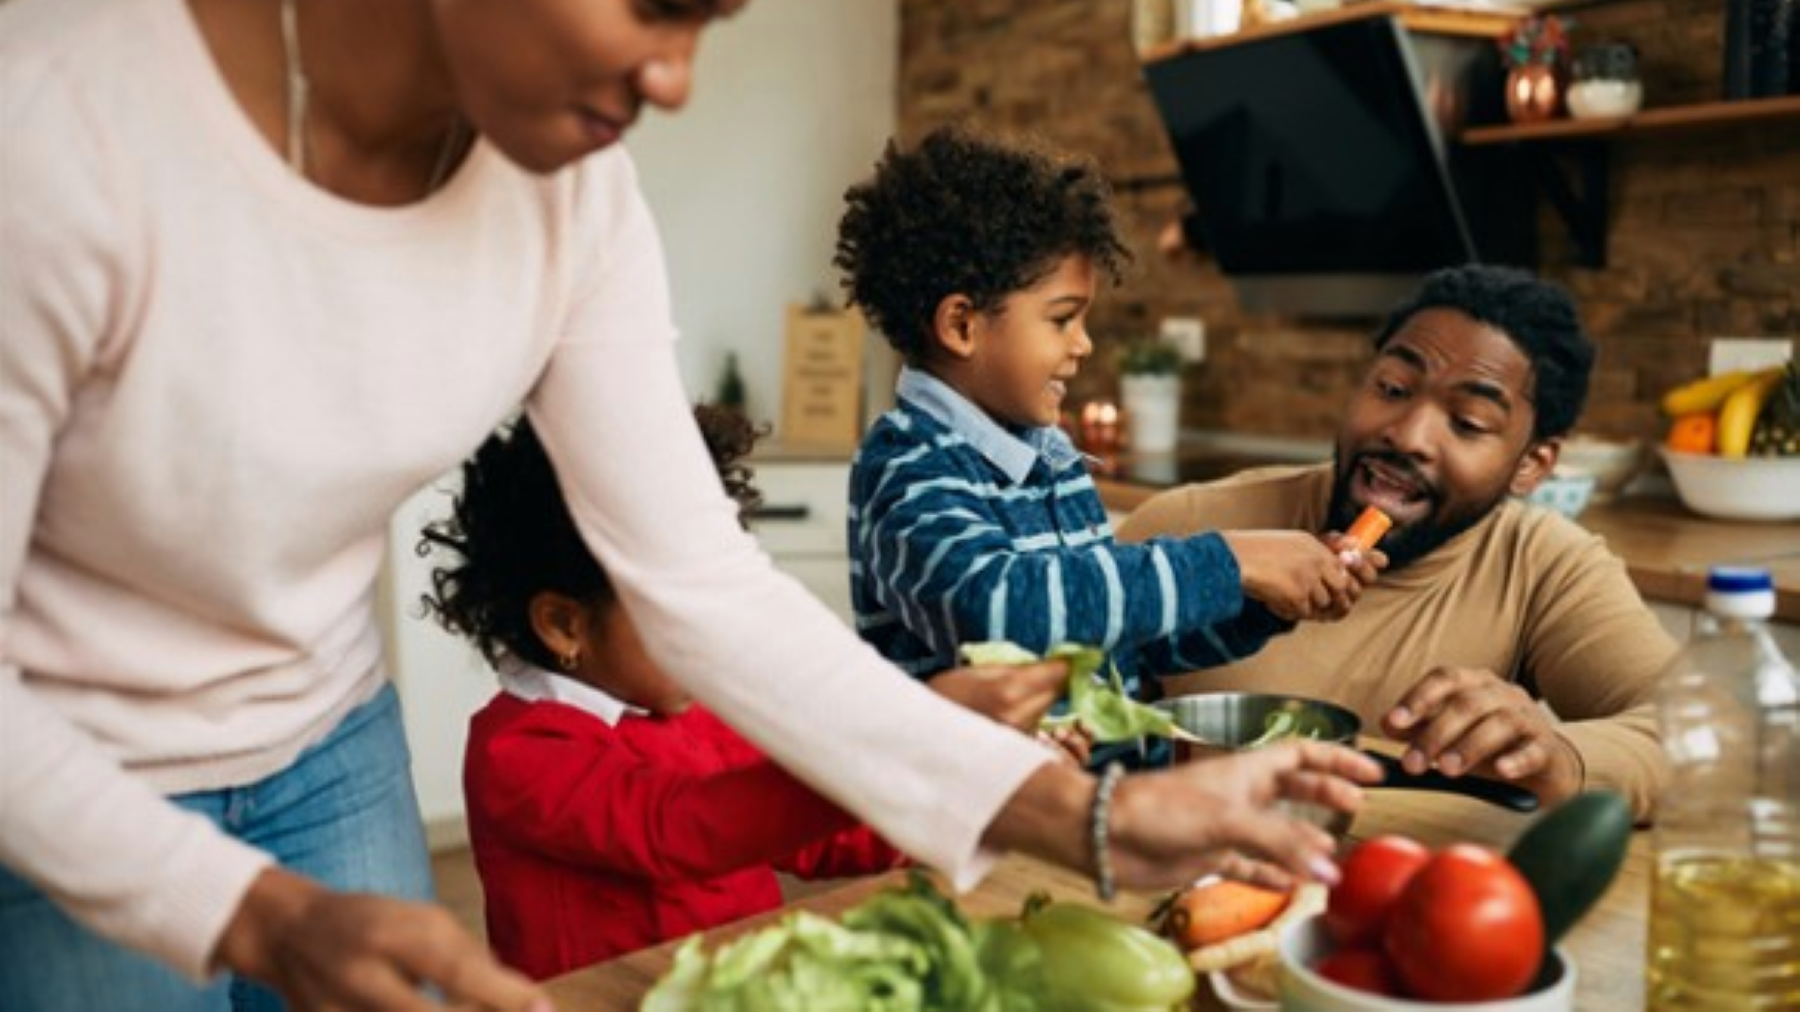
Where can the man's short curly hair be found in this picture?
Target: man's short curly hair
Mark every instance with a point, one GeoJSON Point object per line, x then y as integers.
{"type": "Point", "coordinates": [511, 536]}
{"type": "Point", "coordinates": [1537, 315]}
{"type": "Point", "coordinates": [967, 213]}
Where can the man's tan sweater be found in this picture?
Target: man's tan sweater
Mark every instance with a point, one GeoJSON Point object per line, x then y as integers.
{"type": "Point", "coordinates": [1525, 593]}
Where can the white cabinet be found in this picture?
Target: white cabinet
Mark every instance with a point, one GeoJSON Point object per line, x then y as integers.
{"type": "Point", "coordinates": [441, 679]}
{"type": "Point", "coordinates": [802, 523]}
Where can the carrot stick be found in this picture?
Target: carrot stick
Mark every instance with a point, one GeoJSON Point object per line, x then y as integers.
{"type": "Point", "coordinates": [1368, 528]}
{"type": "Point", "coordinates": [1211, 913]}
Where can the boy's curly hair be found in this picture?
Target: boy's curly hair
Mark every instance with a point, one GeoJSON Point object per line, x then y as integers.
{"type": "Point", "coordinates": [513, 538]}
{"type": "Point", "coordinates": [967, 213]}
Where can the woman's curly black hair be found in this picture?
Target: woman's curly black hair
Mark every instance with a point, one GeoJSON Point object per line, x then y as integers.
{"type": "Point", "coordinates": [513, 538]}
{"type": "Point", "coordinates": [967, 213]}
{"type": "Point", "coordinates": [1537, 315]}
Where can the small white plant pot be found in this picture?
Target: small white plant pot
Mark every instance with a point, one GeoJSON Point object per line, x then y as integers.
{"type": "Point", "coordinates": [1152, 412]}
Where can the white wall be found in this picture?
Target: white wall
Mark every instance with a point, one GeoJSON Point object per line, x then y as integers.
{"type": "Point", "coordinates": [792, 102]}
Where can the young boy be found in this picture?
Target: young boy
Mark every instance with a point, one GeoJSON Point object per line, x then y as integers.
{"type": "Point", "coordinates": [606, 812]}
{"type": "Point", "coordinates": [972, 516]}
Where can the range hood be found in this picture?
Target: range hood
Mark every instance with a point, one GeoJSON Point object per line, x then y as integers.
{"type": "Point", "coordinates": [1317, 163]}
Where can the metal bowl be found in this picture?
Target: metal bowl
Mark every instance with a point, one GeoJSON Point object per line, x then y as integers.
{"type": "Point", "coordinates": [1233, 721]}
{"type": "Point", "coordinates": [1227, 722]}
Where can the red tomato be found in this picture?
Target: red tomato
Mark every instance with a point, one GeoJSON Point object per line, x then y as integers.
{"type": "Point", "coordinates": [1363, 968]}
{"type": "Point", "coordinates": [1373, 876]}
{"type": "Point", "coordinates": [1466, 928]}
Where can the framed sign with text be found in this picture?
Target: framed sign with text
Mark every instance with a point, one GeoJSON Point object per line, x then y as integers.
{"type": "Point", "coordinates": [822, 384]}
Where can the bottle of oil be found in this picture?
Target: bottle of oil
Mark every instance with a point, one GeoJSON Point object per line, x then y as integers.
{"type": "Point", "coordinates": [1725, 905]}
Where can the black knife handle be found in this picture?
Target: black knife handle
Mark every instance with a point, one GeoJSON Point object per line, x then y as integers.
{"type": "Point", "coordinates": [1495, 792]}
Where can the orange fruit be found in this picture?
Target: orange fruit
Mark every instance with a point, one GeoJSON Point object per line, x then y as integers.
{"type": "Point", "coordinates": [1694, 433]}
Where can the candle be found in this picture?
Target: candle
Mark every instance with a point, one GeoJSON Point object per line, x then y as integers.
{"type": "Point", "coordinates": [1100, 426]}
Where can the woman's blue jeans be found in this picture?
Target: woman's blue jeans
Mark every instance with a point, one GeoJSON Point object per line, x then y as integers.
{"type": "Point", "coordinates": [344, 813]}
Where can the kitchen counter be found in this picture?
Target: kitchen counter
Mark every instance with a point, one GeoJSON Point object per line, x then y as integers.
{"type": "Point", "coordinates": [1607, 945]}
{"type": "Point", "coordinates": [1666, 548]}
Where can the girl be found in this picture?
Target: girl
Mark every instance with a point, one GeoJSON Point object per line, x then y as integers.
{"type": "Point", "coordinates": [607, 811]}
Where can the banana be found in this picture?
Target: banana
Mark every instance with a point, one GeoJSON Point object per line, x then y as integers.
{"type": "Point", "coordinates": [1737, 416]}
{"type": "Point", "coordinates": [1705, 394]}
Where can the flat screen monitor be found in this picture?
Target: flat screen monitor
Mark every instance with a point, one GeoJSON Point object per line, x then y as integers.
{"type": "Point", "coordinates": [1313, 152]}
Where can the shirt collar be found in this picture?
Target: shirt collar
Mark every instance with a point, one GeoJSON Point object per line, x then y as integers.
{"type": "Point", "coordinates": [1013, 453]}
{"type": "Point", "coordinates": [533, 684]}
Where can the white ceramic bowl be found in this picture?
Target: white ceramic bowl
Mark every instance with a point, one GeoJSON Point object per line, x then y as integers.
{"type": "Point", "coordinates": [1567, 491]}
{"type": "Point", "coordinates": [1599, 99]}
{"type": "Point", "coordinates": [1612, 462]}
{"type": "Point", "coordinates": [1306, 942]}
{"type": "Point", "coordinates": [1744, 488]}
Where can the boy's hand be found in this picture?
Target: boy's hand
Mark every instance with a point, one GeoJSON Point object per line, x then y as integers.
{"type": "Point", "coordinates": [1296, 575]}
{"type": "Point", "coordinates": [1365, 564]}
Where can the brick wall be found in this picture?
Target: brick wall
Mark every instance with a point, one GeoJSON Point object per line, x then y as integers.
{"type": "Point", "coordinates": [1704, 237]}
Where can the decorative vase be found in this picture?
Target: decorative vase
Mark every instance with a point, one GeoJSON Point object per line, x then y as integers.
{"type": "Point", "coordinates": [1152, 411]}
{"type": "Point", "coordinates": [1533, 93]}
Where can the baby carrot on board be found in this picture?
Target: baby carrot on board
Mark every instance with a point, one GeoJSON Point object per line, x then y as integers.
{"type": "Point", "coordinates": [1368, 528]}
{"type": "Point", "coordinates": [1215, 911]}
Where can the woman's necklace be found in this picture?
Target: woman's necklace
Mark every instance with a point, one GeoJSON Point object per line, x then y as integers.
{"type": "Point", "coordinates": [297, 88]}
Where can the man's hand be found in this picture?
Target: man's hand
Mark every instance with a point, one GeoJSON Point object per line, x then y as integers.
{"type": "Point", "coordinates": [325, 950]}
{"type": "Point", "coordinates": [1464, 720]}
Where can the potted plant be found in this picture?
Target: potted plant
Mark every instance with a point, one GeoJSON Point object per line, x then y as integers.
{"type": "Point", "coordinates": [1536, 51]}
{"type": "Point", "coordinates": [1150, 388]}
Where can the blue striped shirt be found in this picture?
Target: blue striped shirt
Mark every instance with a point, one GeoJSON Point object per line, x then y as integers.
{"type": "Point", "coordinates": [962, 531]}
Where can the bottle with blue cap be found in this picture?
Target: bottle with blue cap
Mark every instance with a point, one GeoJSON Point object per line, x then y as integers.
{"type": "Point", "coordinates": [1725, 904]}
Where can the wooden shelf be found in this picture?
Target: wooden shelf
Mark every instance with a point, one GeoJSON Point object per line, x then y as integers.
{"type": "Point", "coordinates": [1664, 120]}
{"type": "Point", "coordinates": [1414, 18]}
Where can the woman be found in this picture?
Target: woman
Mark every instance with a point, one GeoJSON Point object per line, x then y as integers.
{"type": "Point", "coordinates": [268, 266]}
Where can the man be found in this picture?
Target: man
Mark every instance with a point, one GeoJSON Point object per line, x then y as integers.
{"type": "Point", "coordinates": [1489, 607]}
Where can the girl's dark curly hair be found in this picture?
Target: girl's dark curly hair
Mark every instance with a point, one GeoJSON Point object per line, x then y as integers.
{"type": "Point", "coordinates": [513, 538]}
{"type": "Point", "coordinates": [1537, 315]}
{"type": "Point", "coordinates": [967, 213]}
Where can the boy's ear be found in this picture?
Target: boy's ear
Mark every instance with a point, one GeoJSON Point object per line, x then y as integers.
{"type": "Point", "coordinates": [954, 324]}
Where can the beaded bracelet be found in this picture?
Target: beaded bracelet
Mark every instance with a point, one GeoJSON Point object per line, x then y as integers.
{"type": "Point", "coordinates": [1099, 822]}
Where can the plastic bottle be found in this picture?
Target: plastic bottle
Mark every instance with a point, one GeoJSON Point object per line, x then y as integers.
{"type": "Point", "coordinates": [1725, 904]}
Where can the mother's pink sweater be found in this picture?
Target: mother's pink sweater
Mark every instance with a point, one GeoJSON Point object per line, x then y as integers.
{"type": "Point", "coordinates": [216, 384]}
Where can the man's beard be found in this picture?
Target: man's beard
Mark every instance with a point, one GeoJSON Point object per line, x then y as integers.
{"type": "Point", "coordinates": [1403, 545]}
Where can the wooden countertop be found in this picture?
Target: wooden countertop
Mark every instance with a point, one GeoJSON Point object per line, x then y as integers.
{"type": "Point", "coordinates": [1607, 945]}
{"type": "Point", "coordinates": [1666, 548]}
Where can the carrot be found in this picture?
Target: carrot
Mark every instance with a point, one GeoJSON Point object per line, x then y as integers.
{"type": "Point", "coordinates": [1213, 912]}
{"type": "Point", "coordinates": [1368, 528]}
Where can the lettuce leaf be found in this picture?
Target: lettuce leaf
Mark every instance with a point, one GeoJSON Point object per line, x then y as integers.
{"type": "Point", "coordinates": [1100, 705]}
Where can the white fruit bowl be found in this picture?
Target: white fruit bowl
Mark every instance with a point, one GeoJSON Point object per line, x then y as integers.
{"type": "Point", "coordinates": [1736, 488]}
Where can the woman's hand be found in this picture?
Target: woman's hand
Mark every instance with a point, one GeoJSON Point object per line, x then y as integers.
{"type": "Point", "coordinates": [1172, 826]}
{"type": "Point", "coordinates": [327, 950]}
